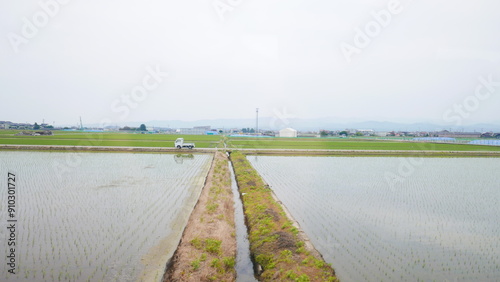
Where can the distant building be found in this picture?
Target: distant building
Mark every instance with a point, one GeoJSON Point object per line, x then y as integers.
{"type": "Point", "coordinates": [366, 131]}
{"type": "Point", "coordinates": [206, 127]}
{"type": "Point", "coordinates": [12, 125]}
{"type": "Point", "coordinates": [5, 124]}
{"type": "Point", "coordinates": [490, 135]}
{"type": "Point", "coordinates": [350, 131]}
{"type": "Point", "coordinates": [288, 132]}
{"type": "Point", "coordinates": [446, 133]}
{"type": "Point", "coordinates": [197, 130]}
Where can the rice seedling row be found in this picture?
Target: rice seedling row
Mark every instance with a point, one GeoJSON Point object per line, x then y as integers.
{"type": "Point", "coordinates": [439, 223]}
{"type": "Point", "coordinates": [101, 219]}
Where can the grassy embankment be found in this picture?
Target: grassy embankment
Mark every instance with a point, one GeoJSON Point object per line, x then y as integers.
{"type": "Point", "coordinates": [207, 251]}
{"type": "Point", "coordinates": [274, 241]}
{"type": "Point", "coordinates": [349, 144]}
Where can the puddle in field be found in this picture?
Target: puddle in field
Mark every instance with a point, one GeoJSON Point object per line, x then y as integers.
{"type": "Point", "coordinates": [244, 265]}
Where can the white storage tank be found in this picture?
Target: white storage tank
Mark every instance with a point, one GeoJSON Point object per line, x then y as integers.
{"type": "Point", "coordinates": [288, 132]}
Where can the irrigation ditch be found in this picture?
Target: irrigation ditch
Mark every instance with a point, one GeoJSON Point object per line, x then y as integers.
{"type": "Point", "coordinates": [239, 231]}
{"type": "Point", "coordinates": [279, 250]}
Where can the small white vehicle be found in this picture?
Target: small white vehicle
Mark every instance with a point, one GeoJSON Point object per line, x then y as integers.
{"type": "Point", "coordinates": [179, 144]}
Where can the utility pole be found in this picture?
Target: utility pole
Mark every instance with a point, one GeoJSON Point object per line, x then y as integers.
{"type": "Point", "coordinates": [257, 122]}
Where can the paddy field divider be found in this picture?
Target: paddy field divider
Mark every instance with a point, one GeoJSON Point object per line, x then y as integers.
{"type": "Point", "coordinates": [207, 249]}
{"type": "Point", "coordinates": [279, 250]}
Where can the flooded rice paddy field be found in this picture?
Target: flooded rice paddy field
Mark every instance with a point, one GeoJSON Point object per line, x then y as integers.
{"type": "Point", "coordinates": [395, 219]}
{"type": "Point", "coordinates": [98, 216]}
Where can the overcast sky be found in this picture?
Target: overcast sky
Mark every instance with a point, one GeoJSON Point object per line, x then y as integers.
{"type": "Point", "coordinates": [108, 61]}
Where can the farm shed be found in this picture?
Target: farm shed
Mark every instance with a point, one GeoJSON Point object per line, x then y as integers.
{"type": "Point", "coordinates": [288, 132]}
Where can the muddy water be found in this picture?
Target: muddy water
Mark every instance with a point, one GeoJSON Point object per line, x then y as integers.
{"type": "Point", "coordinates": [97, 216]}
{"type": "Point", "coordinates": [395, 219]}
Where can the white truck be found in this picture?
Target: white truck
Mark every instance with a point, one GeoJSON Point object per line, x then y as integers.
{"type": "Point", "coordinates": [179, 144]}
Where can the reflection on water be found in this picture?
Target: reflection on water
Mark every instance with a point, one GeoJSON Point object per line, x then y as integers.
{"type": "Point", "coordinates": [244, 265]}
{"type": "Point", "coordinates": [440, 223]}
{"type": "Point", "coordinates": [109, 217]}
{"type": "Point", "coordinates": [180, 158]}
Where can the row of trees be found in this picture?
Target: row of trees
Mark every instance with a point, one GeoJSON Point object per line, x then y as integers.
{"type": "Point", "coordinates": [325, 133]}
{"type": "Point", "coordinates": [142, 127]}
{"type": "Point", "coordinates": [37, 126]}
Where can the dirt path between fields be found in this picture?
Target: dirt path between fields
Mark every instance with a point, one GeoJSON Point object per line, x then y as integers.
{"type": "Point", "coordinates": [207, 250]}
{"type": "Point", "coordinates": [271, 152]}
